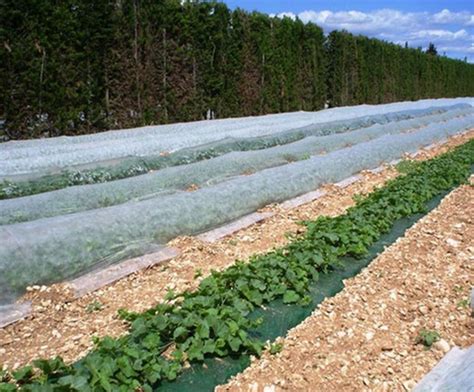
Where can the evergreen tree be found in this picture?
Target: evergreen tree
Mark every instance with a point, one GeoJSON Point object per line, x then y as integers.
{"type": "Point", "coordinates": [80, 66]}
{"type": "Point", "coordinates": [432, 49]}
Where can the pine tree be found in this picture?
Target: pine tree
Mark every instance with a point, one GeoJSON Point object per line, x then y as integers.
{"type": "Point", "coordinates": [432, 49]}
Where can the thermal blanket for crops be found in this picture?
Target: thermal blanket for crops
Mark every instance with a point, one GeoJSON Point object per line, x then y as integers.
{"type": "Point", "coordinates": [45, 156]}
{"type": "Point", "coordinates": [203, 173]}
{"type": "Point", "coordinates": [95, 225]}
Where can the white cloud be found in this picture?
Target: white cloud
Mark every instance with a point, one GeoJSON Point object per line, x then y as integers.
{"type": "Point", "coordinates": [451, 32]}
{"type": "Point", "coordinates": [290, 15]}
{"type": "Point", "coordinates": [444, 35]}
{"type": "Point", "coordinates": [446, 17]}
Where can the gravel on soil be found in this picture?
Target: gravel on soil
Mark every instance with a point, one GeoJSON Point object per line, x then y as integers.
{"type": "Point", "coordinates": [365, 337]}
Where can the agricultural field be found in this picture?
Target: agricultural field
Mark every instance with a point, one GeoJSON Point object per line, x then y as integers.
{"type": "Point", "coordinates": [289, 251]}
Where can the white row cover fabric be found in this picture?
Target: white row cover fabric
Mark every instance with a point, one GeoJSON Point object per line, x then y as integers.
{"type": "Point", "coordinates": [201, 174]}
{"type": "Point", "coordinates": [51, 249]}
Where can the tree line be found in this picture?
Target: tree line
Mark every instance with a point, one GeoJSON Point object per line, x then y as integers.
{"type": "Point", "coordinates": [79, 66]}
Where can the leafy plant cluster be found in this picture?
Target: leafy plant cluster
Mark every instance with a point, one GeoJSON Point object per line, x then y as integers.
{"type": "Point", "coordinates": [78, 66]}
{"type": "Point", "coordinates": [428, 337]}
{"type": "Point", "coordinates": [216, 319]}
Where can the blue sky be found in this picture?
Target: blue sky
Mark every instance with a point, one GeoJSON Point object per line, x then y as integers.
{"type": "Point", "coordinates": [448, 24]}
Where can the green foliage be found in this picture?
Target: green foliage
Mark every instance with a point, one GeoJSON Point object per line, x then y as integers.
{"type": "Point", "coordinates": [364, 70]}
{"type": "Point", "coordinates": [78, 66]}
{"type": "Point", "coordinates": [428, 337]}
{"type": "Point", "coordinates": [214, 320]}
{"type": "Point", "coordinates": [432, 49]}
{"type": "Point", "coordinates": [464, 303]}
{"type": "Point", "coordinates": [275, 348]}
{"type": "Point", "coordinates": [94, 306]}
{"type": "Point", "coordinates": [81, 66]}
{"type": "Point", "coordinates": [405, 166]}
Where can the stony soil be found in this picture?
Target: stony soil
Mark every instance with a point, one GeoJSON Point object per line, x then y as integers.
{"type": "Point", "coordinates": [365, 337]}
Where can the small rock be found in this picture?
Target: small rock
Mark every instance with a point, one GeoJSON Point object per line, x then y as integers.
{"type": "Point", "coordinates": [409, 385]}
{"type": "Point", "coordinates": [253, 387]}
{"type": "Point", "coordinates": [423, 309]}
{"type": "Point", "coordinates": [441, 345]}
{"type": "Point", "coordinates": [452, 242]}
{"type": "Point", "coordinates": [269, 388]}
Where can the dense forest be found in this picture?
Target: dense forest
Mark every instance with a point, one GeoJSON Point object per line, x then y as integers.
{"type": "Point", "coordinates": [80, 66]}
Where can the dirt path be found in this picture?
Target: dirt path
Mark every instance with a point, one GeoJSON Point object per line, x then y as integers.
{"type": "Point", "coordinates": [364, 338]}
{"type": "Point", "coordinates": [62, 325]}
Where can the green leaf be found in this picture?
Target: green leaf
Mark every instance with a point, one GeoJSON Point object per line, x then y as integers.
{"type": "Point", "coordinates": [180, 332]}
{"type": "Point", "coordinates": [290, 297]}
{"type": "Point", "coordinates": [209, 347]}
{"type": "Point", "coordinates": [23, 374]}
{"type": "Point", "coordinates": [203, 330]}
{"type": "Point", "coordinates": [125, 366]}
{"type": "Point", "coordinates": [79, 383]}
{"type": "Point", "coordinates": [275, 348]}
{"type": "Point", "coordinates": [151, 341]}
{"type": "Point", "coordinates": [4, 387]}
{"type": "Point", "coordinates": [234, 343]}
{"type": "Point", "coordinates": [170, 295]}
{"type": "Point", "coordinates": [196, 351]}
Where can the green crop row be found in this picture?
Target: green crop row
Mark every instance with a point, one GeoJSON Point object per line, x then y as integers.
{"type": "Point", "coordinates": [213, 320]}
{"type": "Point", "coordinates": [138, 165]}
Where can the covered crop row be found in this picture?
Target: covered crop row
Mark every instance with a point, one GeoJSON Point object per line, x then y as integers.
{"type": "Point", "coordinates": [77, 66]}
{"type": "Point", "coordinates": [211, 171]}
{"type": "Point", "coordinates": [53, 248]}
{"type": "Point", "coordinates": [216, 320]}
{"type": "Point", "coordinates": [147, 147]}
{"type": "Point", "coordinates": [238, 135]}
{"type": "Point", "coordinates": [244, 126]}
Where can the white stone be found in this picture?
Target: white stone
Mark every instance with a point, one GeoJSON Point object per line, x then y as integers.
{"type": "Point", "coordinates": [442, 345]}
{"type": "Point", "coordinates": [369, 335]}
{"type": "Point", "coordinates": [452, 242]}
